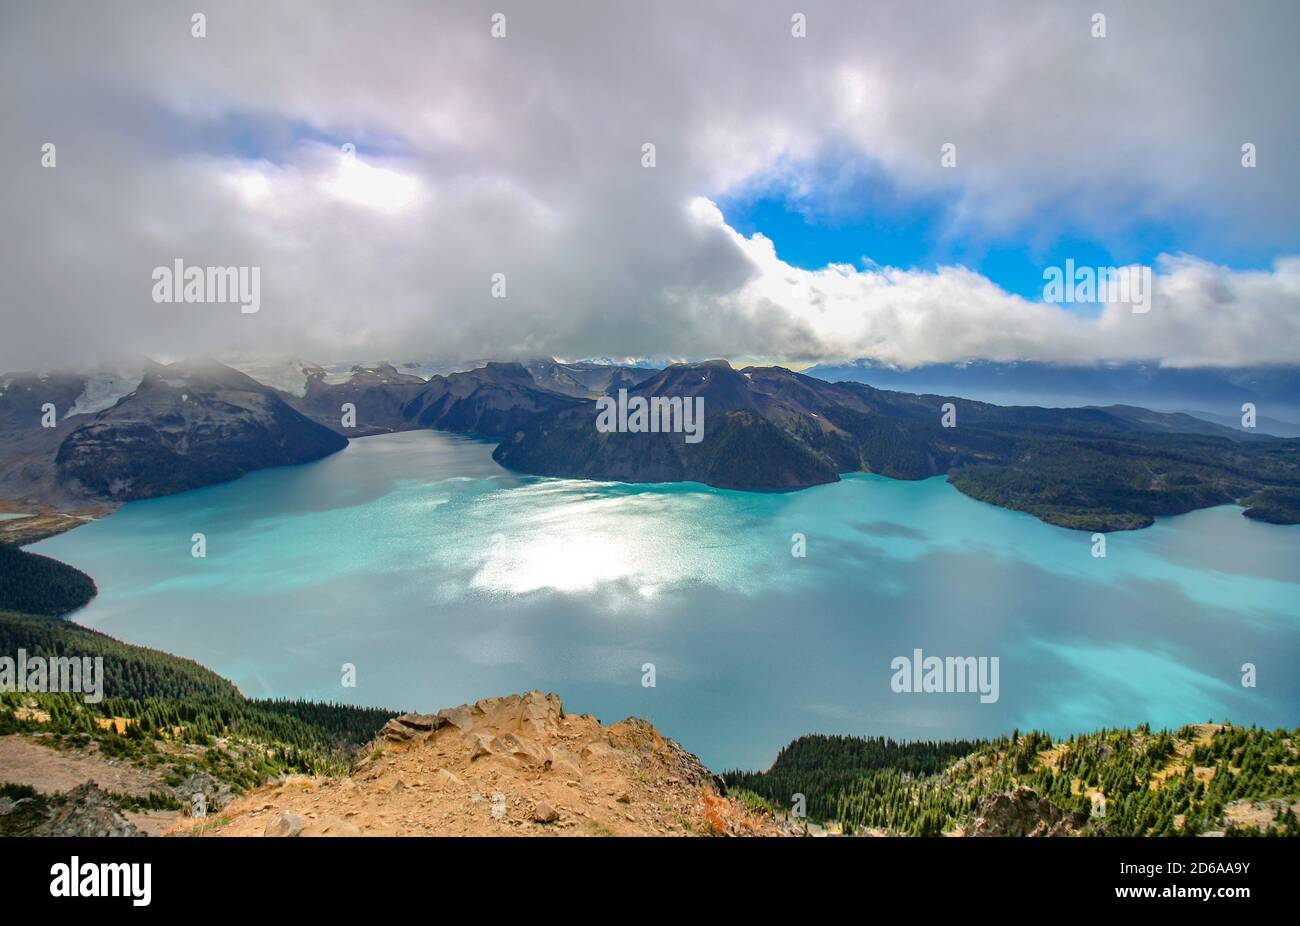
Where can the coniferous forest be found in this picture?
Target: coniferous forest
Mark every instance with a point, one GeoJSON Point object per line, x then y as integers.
{"type": "Point", "coordinates": [1122, 782]}
{"type": "Point", "coordinates": [35, 584]}
{"type": "Point", "coordinates": [162, 700]}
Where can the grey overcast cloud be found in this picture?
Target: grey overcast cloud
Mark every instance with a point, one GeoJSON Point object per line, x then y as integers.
{"type": "Point", "coordinates": [523, 156]}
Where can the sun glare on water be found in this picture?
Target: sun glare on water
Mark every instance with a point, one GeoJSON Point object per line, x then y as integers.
{"type": "Point", "coordinates": [574, 543]}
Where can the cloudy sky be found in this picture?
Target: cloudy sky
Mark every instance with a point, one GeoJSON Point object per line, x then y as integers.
{"type": "Point", "coordinates": [797, 210]}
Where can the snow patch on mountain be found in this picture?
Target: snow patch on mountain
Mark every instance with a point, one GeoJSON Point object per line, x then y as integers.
{"type": "Point", "coordinates": [103, 389]}
{"type": "Point", "coordinates": [287, 374]}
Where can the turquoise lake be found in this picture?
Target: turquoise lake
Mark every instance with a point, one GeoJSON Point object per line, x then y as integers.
{"type": "Point", "coordinates": [444, 578]}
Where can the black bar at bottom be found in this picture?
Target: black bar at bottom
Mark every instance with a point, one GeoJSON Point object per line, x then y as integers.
{"type": "Point", "coordinates": [340, 875]}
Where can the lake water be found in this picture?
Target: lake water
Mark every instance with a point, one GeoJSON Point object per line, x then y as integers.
{"type": "Point", "coordinates": [444, 578]}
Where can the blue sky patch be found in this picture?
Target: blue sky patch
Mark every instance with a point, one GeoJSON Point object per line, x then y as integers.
{"type": "Point", "coordinates": [856, 215]}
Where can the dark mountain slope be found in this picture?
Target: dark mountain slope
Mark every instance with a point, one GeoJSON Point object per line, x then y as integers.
{"type": "Point", "coordinates": [378, 394]}
{"type": "Point", "coordinates": [769, 428]}
{"type": "Point", "coordinates": [584, 379]}
{"type": "Point", "coordinates": [23, 394]}
{"type": "Point", "coordinates": [28, 478]}
{"type": "Point", "coordinates": [744, 445]}
{"type": "Point", "coordinates": [190, 424]}
{"type": "Point", "coordinates": [491, 401]}
{"type": "Point", "coordinates": [1177, 423]}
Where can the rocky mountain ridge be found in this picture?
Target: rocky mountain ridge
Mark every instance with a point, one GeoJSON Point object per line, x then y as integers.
{"type": "Point", "coordinates": [767, 428]}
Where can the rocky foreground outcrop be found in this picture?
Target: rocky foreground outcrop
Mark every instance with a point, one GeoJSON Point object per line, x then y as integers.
{"type": "Point", "coordinates": [517, 765]}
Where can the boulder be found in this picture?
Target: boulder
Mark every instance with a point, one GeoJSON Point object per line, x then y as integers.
{"type": "Point", "coordinates": [403, 728]}
{"type": "Point", "coordinates": [215, 794]}
{"type": "Point", "coordinates": [459, 717]}
{"type": "Point", "coordinates": [442, 778]}
{"type": "Point", "coordinates": [396, 731]}
{"type": "Point", "coordinates": [482, 746]}
{"type": "Point", "coordinates": [285, 823]}
{"type": "Point", "coordinates": [525, 750]}
{"type": "Point", "coordinates": [564, 762]}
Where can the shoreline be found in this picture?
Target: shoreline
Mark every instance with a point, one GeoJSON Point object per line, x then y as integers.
{"type": "Point", "coordinates": [48, 520]}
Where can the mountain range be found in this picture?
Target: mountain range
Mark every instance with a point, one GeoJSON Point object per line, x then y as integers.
{"type": "Point", "coordinates": [197, 422]}
{"type": "Point", "coordinates": [769, 428]}
{"type": "Point", "coordinates": [1213, 393]}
